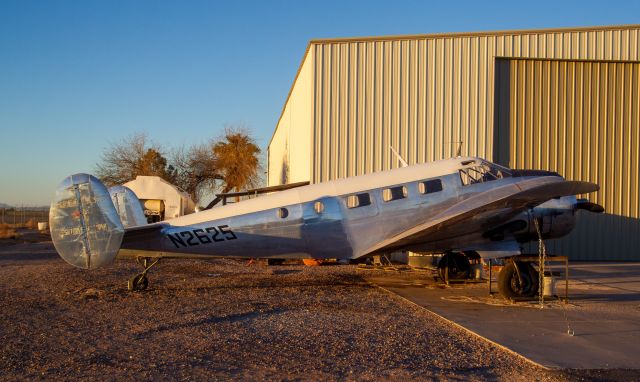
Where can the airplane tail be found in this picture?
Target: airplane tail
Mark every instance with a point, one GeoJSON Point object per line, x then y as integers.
{"type": "Point", "coordinates": [86, 227]}
{"type": "Point", "coordinates": [128, 206]}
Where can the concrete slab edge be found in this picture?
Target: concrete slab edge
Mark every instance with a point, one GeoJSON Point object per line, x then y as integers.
{"type": "Point", "coordinates": [510, 351]}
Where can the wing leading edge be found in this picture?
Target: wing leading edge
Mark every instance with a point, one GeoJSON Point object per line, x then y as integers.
{"type": "Point", "coordinates": [484, 209]}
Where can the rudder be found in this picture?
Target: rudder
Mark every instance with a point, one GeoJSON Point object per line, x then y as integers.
{"type": "Point", "coordinates": [85, 227]}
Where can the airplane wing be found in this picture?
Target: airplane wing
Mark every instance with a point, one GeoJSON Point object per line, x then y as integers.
{"type": "Point", "coordinates": [483, 211]}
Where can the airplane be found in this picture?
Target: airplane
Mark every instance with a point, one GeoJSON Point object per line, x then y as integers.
{"type": "Point", "coordinates": [464, 207]}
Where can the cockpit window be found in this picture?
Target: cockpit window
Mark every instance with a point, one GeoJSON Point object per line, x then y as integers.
{"type": "Point", "coordinates": [485, 172]}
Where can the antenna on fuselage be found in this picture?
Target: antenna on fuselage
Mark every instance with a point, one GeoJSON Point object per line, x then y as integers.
{"type": "Point", "coordinates": [403, 163]}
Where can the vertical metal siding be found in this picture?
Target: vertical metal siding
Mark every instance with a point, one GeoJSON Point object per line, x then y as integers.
{"type": "Point", "coordinates": [570, 112]}
{"type": "Point", "coordinates": [581, 119]}
{"type": "Point", "coordinates": [421, 95]}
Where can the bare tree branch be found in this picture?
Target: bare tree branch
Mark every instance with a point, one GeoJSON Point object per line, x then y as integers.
{"type": "Point", "coordinates": [228, 163]}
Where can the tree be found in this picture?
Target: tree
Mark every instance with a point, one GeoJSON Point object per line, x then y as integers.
{"type": "Point", "coordinates": [196, 170]}
{"type": "Point", "coordinates": [237, 159]}
{"type": "Point", "coordinates": [229, 163]}
{"type": "Point", "coordinates": [133, 156]}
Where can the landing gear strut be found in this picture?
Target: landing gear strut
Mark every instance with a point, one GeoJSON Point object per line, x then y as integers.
{"type": "Point", "coordinates": [140, 281]}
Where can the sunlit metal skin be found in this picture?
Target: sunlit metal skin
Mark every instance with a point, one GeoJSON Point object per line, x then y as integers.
{"type": "Point", "coordinates": [451, 205]}
{"type": "Point", "coordinates": [128, 206]}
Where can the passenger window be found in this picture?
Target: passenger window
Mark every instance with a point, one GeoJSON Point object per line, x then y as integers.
{"type": "Point", "coordinates": [394, 193]}
{"type": "Point", "coordinates": [358, 200]}
{"type": "Point", "coordinates": [430, 186]}
{"type": "Point", "coordinates": [283, 213]}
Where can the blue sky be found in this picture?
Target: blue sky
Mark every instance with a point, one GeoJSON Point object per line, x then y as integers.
{"type": "Point", "coordinates": [77, 75]}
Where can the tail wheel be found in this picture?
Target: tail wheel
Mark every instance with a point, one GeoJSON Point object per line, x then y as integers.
{"type": "Point", "coordinates": [138, 282]}
{"type": "Point", "coordinates": [518, 283]}
{"type": "Point", "coordinates": [454, 266]}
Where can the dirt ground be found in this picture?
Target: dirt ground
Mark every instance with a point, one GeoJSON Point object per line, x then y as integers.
{"type": "Point", "coordinates": [222, 319]}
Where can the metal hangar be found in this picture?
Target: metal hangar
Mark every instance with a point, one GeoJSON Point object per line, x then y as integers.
{"type": "Point", "coordinates": [565, 100]}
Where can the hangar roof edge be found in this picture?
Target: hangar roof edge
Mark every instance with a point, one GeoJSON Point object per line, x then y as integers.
{"type": "Point", "coordinates": [473, 34]}
{"type": "Point", "coordinates": [432, 36]}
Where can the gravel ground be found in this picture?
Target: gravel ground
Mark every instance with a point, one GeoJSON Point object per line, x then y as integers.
{"type": "Point", "coordinates": [221, 319]}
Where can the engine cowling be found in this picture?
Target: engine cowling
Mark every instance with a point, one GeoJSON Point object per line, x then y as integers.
{"type": "Point", "coordinates": [556, 218]}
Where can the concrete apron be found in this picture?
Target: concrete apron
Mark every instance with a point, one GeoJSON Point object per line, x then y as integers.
{"type": "Point", "coordinates": [603, 313]}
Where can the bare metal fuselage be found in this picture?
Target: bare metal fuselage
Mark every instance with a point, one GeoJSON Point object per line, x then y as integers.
{"type": "Point", "coordinates": [325, 227]}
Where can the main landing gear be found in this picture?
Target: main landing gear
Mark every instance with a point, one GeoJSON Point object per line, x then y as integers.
{"type": "Point", "coordinates": [454, 266]}
{"type": "Point", "coordinates": [140, 281]}
{"type": "Point", "coordinates": [518, 280]}
{"type": "Point", "coordinates": [458, 266]}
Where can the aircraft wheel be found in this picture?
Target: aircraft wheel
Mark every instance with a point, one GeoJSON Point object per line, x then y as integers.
{"type": "Point", "coordinates": [535, 282]}
{"type": "Point", "coordinates": [454, 266]}
{"type": "Point", "coordinates": [511, 286]}
{"type": "Point", "coordinates": [138, 282]}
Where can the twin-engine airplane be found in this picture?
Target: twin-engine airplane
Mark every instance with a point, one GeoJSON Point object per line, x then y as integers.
{"type": "Point", "coordinates": [463, 207]}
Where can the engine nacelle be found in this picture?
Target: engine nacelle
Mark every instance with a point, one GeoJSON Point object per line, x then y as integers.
{"type": "Point", "coordinates": [556, 218]}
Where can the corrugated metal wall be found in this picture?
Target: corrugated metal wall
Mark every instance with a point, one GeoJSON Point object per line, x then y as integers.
{"type": "Point", "coordinates": [582, 119]}
{"type": "Point", "coordinates": [573, 110]}
{"type": "Point", "coordinates": [422, 94]}
{"type": "Point", "coordinates": [406, 94]}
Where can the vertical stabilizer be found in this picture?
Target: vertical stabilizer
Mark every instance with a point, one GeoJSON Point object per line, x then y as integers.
{"type": "Point", "coordinates": [128, 206]}
{"type": "Point", "coordinates": [85, 226]}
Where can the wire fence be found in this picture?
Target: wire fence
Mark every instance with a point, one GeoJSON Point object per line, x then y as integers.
{"type": "Point", "coordinates": [23, 216]}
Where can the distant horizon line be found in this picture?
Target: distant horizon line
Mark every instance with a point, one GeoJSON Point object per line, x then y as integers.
{"type": "Point", "coordinates": [26, 205]}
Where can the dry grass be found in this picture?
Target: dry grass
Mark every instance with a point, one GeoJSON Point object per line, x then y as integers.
{"type": "Point", "coordinates": [6, 232]}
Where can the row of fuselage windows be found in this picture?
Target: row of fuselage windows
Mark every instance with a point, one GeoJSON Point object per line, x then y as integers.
{"type": "Point", "coordinates": [388, 195]}
{"type": "Point", "coordinates": [394, 193]}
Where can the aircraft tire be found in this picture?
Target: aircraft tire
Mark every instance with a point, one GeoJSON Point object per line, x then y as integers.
{"type": "Point", "coordinates": [509, 284]}
{"type": "Point", "coordinates": [454, 266]}
{"type": "Point", "coordinates": [535, 284]}
{"type": "Point", "coordinates": [138, 283]}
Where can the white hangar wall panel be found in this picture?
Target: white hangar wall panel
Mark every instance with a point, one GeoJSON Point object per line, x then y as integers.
{"type": "Point", "coordinates": [423, 94]}
{"type": "Point", "coordinates": [582, 119]}
{"type": "Point", "coordinates": [289, 159]}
